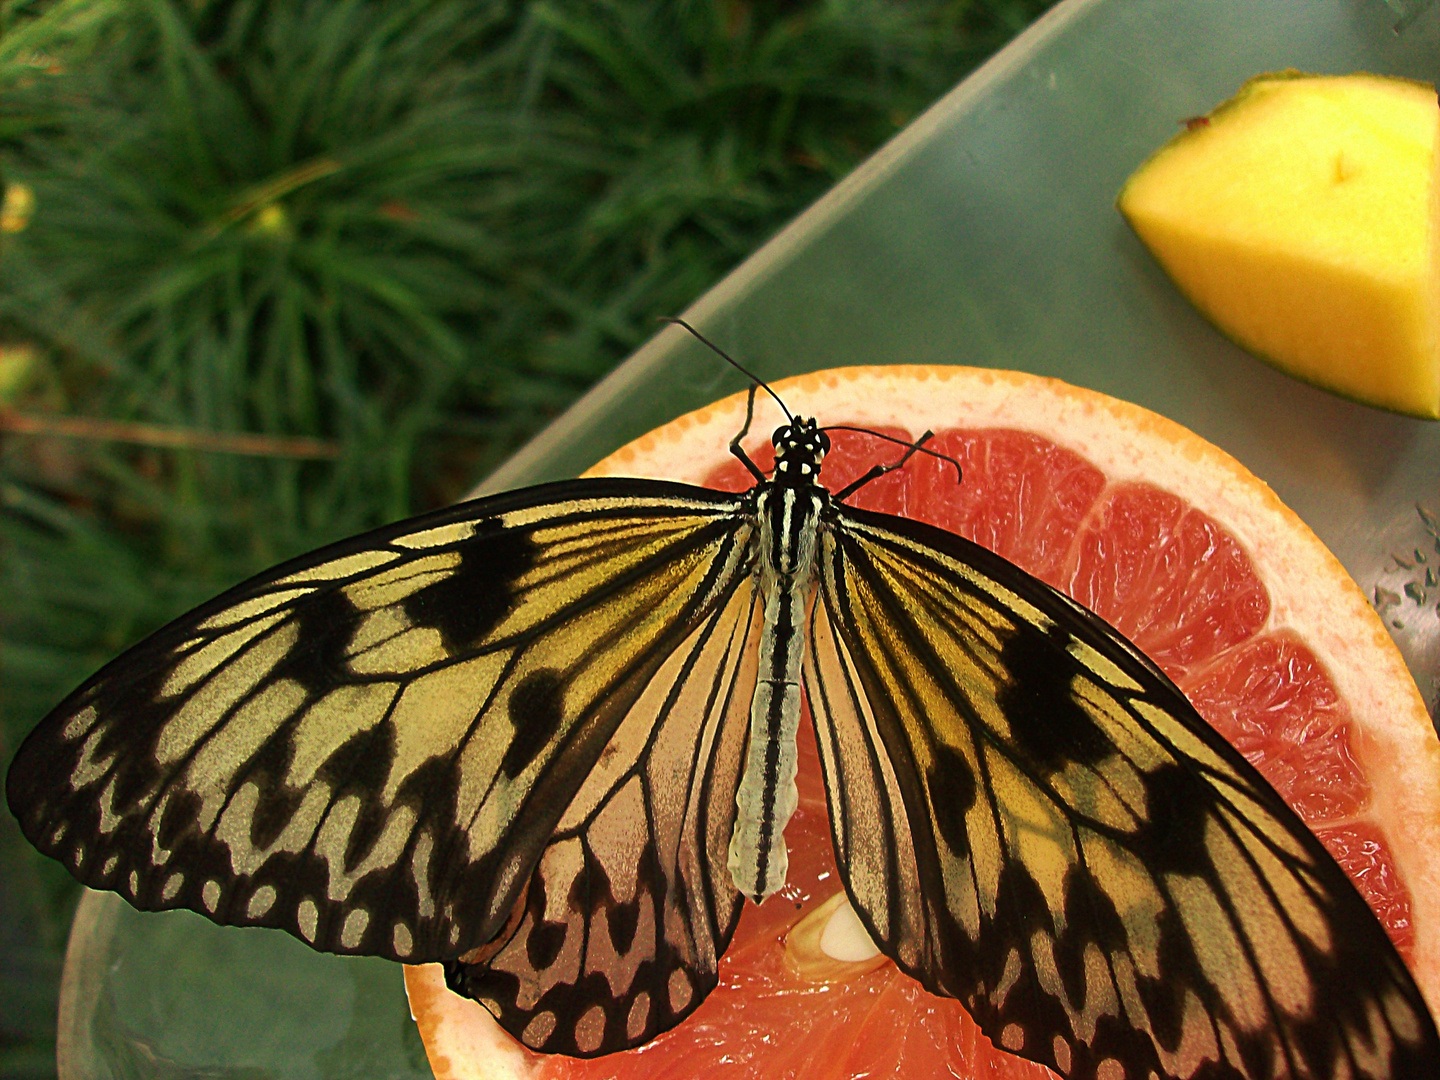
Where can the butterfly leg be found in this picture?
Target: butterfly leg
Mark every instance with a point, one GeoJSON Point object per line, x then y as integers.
{"type": "Point", "coordinates": [878, 471]}
{"type": "Point", "coordinates": [737, 449]}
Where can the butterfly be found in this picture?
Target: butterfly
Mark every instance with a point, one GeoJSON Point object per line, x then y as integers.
{"type": "Point", "coordinates": [547, 738]}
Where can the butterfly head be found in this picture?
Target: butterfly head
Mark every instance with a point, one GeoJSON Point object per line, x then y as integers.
{"type": "Point", "coordinates": [800, 447]}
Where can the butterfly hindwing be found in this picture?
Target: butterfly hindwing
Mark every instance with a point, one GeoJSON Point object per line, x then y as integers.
{"type": "Point", "coordinates": [1030, 817]}
{"type": "Point", "coordinates": [370, 746]}
{"type": "Point", "coordinates": [620, 932]}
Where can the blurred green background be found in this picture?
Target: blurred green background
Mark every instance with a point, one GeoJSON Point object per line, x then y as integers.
{"type": "Point", "coordinates": [276, 271]}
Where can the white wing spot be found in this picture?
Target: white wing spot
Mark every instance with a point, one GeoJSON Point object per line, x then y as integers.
{"type": "Point", "coordinates": [639, 1015]}
{"type": "Point", "coordinates": [59, 832]}
{"type": "Point", "coordinates": [79, 724]}
{"type": "Point", "coordinates": [1061, 1049]}
{"type": "Point", "coordinates": [172, 886]}
{"type": "Point", "coordinates": [1008, 978]}
{"type": "Point", "coordinates": [1110, 1069]}
{"type": "Point", "coordinates": [134, 883]}
{"type": "Point", "coordinates": [539, 1029]}
{"type": "Point", "coordinates": [109, 820]}
{"type": "Point", "coordinates": [1013, 1037]}
{"type": "Point", "coordinates": [454, 934]}
{"type": "Point", "coordinates": [110, 864]}
{"type": "Point", "coordinates": [354, 928]}
{"type": "Point", "coordinates": [590, 1031]}
{"type": "Point", "coordinates": [78, 855]}
{"type": "Point", "coordinates": [210, 894]}
{"type": "Point", "coordinates": [308, 916]}
{"type": "Point", "coordinates": [90, 768]}
{"type": "Point", "coordinates": [420, 872]}
{"type": "Point", "coordinates": [261, 901]}
{"type": "Point", "coordinates": [1401, 1017]}
{"type": "Point", "coordinates": [402, 940]}
{"type": "Point", "coordinates": [680, 990]}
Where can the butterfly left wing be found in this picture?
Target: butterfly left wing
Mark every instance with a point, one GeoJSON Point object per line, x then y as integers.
{"type": "Point", "coordinates": [1030, 817]}
{"type": "Point", "coordinates": [370, 746]}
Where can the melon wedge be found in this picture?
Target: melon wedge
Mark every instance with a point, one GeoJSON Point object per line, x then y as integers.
{"type": "Point", "coordinates": [1301, 218]}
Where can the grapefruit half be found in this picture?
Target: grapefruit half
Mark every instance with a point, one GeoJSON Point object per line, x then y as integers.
{"type": "Point", "coordinates": [1165, 536]}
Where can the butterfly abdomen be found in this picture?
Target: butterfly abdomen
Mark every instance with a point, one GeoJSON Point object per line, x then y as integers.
{"type": "Point", "coordinates": [789, 520]}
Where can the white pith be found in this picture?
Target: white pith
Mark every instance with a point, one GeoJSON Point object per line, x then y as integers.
{"type": "Point", "coordinates": [844, 937]}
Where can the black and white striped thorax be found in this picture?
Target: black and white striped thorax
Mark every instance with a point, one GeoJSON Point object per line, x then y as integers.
{"type": "Point", "coordinates": [790, 509]}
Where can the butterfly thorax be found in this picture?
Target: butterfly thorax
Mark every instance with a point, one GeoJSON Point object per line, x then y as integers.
{"type": "Point", "coordinates": [800, 447]}
{"type": "Point", "coordinates": [789, 509]}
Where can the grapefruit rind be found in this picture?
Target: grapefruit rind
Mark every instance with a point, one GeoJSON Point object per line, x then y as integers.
{"type": "Point", "coordinates": [1311, 595]}
{"type": "Point", "coordinates": [462, 1040]}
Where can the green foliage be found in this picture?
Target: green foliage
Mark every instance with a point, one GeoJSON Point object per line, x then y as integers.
{"type": "Point", "coordinates": [415, 229]}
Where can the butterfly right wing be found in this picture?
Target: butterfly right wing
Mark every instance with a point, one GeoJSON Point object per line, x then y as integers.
{"type": "Point", "coordinates": [371, 746]}
{"type": "Point", "coordinates": [1029, 817]}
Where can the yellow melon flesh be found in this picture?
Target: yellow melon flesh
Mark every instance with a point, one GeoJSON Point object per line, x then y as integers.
{"type": "Point", "coordinates": [1301, 218]}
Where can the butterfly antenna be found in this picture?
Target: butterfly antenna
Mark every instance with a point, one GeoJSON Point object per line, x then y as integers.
{"type": "Point", "coordinates": [911, 448]}
{"type": "Point", "coordinates": [729, 360]}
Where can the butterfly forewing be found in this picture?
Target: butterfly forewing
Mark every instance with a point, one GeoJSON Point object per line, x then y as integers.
{"type": "Point", "coordinates": [1031, 818]}
{"type": "Point", "coordinates": [370, 747]}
